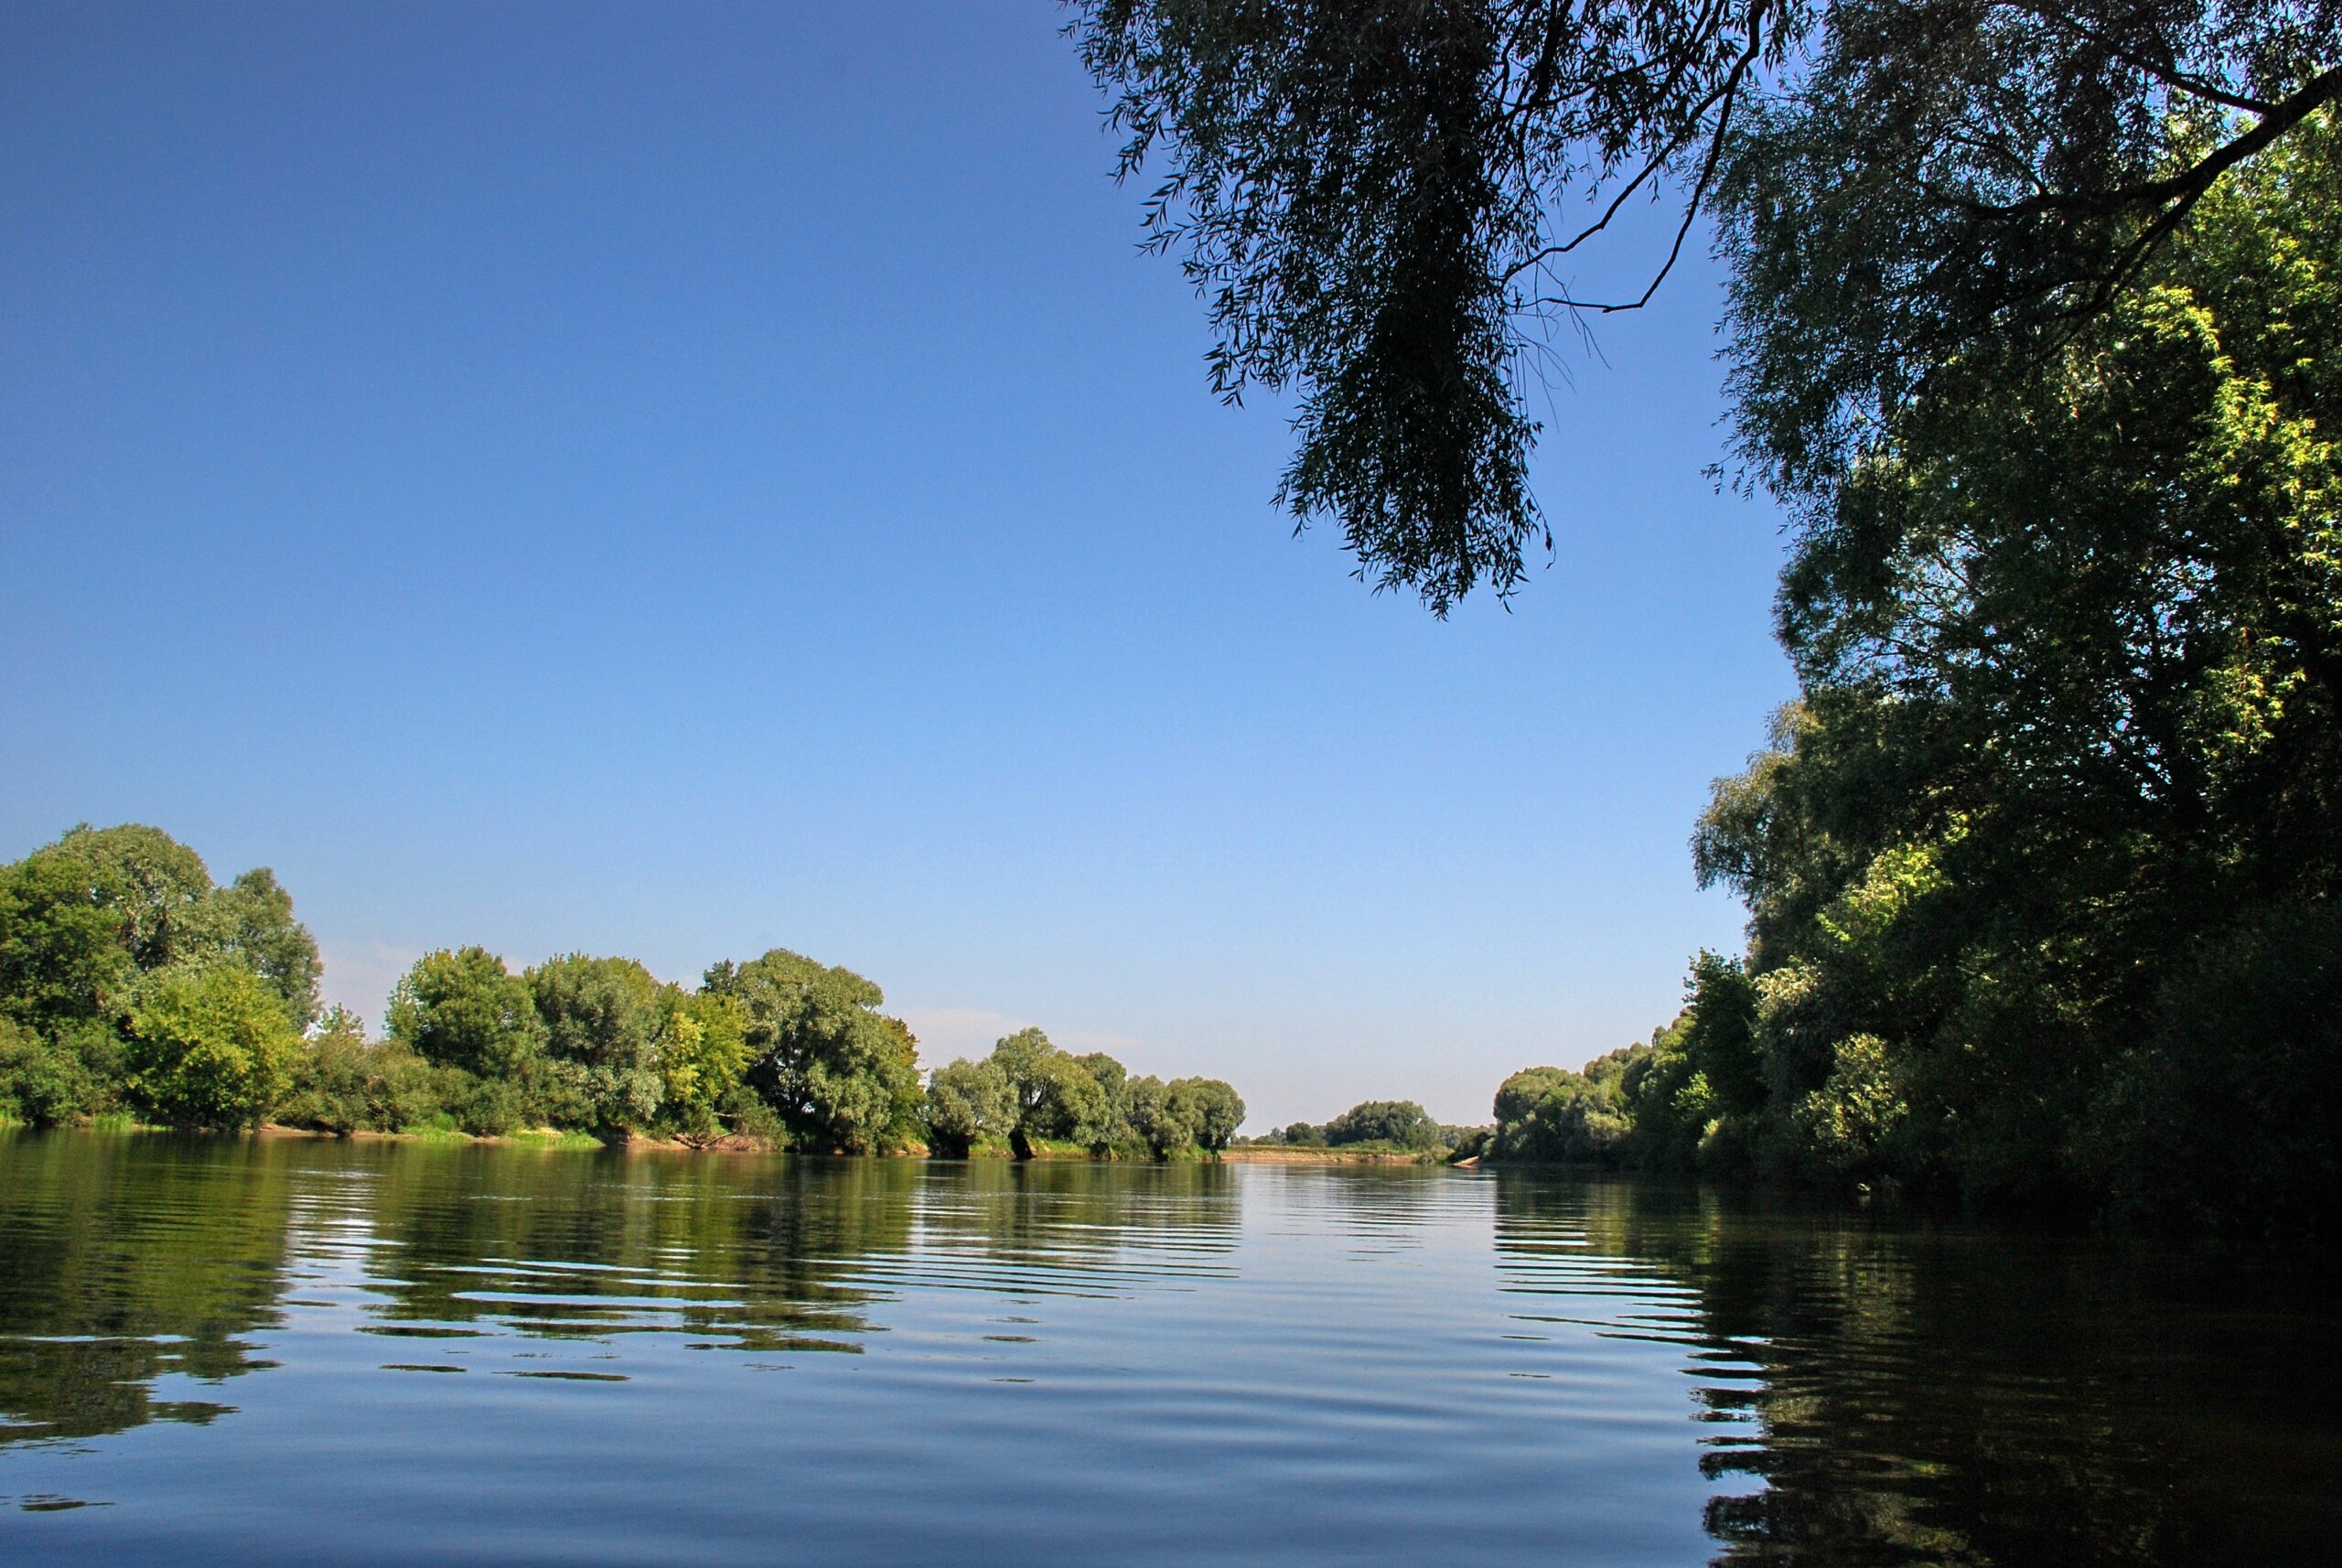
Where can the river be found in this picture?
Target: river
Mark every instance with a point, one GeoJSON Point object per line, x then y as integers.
{"type": "Point", "coordinates": [279, 1351]}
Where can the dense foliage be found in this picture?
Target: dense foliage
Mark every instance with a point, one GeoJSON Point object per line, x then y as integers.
{"type": "Point", "coordinates": [1382, 204]}
{"type": "Point", "coordinates": [2034, 310]}
{"type": "Point", "coordinates": [2043, 866]}
{"type": "Point", "coordinates": [1030, 1097]}
{"type": "Point", "coordinates": [1399, 1126]}
{"type": "Point", "coordinates": [131, 985]}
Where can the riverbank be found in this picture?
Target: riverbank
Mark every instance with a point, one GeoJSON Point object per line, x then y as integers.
{"type": "Point", "coordinates": [1042, 1151]}
{"type": "Point", "coordinates": [1306, 1154]}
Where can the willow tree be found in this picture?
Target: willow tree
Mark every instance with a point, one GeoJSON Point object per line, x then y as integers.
{"type": "Point", "coordinates": [1382, 204]}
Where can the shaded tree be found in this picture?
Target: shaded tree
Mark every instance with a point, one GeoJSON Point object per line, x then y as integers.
{"type": "Point", "coordinates": [250, 921]}
{"type": "Point", "coordinates": [1217, 1109]}
{"type": "Point", "coordinates": [842, 1074]}
{"type": "Point", "coordinates": [1380, 204]}
{"type": "Point", "coordinates": [463, 1008]}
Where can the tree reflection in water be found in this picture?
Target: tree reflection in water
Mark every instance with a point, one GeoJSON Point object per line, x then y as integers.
{"type": "Point", "coordinates": [126, 1260]}
{"type": "Point", "coordinates": [1903, 1392]}
{"type": "Point", "coordinates": [1862, 1387]}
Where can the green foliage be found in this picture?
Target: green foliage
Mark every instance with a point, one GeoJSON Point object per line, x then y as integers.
{"type": "Point", "coordinates": [1402, 1123]}
{"type": "Point", "coordinates": [604, 1023]}
{"type": "Point", "coordinates": [1215, 1106]}
{"type": "Point", "coordinates": [1112, 1080]}
{"type": "Point", "coordinates": [62, 959]}
{"type": "Point", "coordinates": [2038, 866]}
{"type": "Point", "coordinates": [1056, 1100]}
{"type": "Point", "coordinates": [841, 1074]}
{"type": "Point", "coordinates": [1549, 1115]}
{"type": "Point", "coordinates": [131, 986]}
{"type": "Point", "coordinates": [704, 1055]}
{"type": "Point", "coordinates": [967, 1103]}
{"type": "Point", "coordinates": [1381, 206]}
{"type": "Point", "coordinates": [342, 1082]}
{"type": "Point", "coordinates": [460, 1007]}
{"type": "Point", "coordinates": [2235, 1085]}
{"type": "Point", "coordinates": [250, 922]}
{"type": "Point", "coordinates": [48, 1078]}
{"type": "Point", "coordinates": [210, 1046]}
{"type": "Point", "coordinates": [82, 918]}
{"type": "Point", "coordinates": [147, 880]}
{"type": "Point", "coordinates": [1043, 1103]}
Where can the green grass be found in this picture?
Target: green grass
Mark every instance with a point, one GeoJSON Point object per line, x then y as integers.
{"type": "Point", "coordinates": [117, 1122]}
{"type": "Point", "coordinates": [551, 1138]}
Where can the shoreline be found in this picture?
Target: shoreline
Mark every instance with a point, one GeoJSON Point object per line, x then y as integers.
{"type": "Point", "coordinates": [1305, 1155]}
{"type": "Point", "coordinates": [735, 1144]}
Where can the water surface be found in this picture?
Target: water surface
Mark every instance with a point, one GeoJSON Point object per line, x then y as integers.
{"type": "Point", "coordinates": [234, 1351]}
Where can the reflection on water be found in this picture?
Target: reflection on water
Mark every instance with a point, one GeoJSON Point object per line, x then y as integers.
{"type": "Point", "coordinates": [1893, 1393]}
{"type": "Point", "coordinates": [509, 1355]}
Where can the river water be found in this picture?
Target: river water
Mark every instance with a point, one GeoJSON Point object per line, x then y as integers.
{"type": "Point", "coordinates": [225, 1350]}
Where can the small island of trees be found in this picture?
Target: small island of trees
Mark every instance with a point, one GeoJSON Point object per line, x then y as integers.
{"type": "Point", "coordinates": [134, 989]}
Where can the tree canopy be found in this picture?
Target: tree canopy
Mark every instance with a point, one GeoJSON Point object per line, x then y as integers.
{"type": "Point", "coordinates": [2042, 865]}
{"type": "Point", "coordinates": [1381, 203]}
{"type": "Point", "coordinates": [1030, 1096]}
{"type": "Point", "coordinates": [130, 984]}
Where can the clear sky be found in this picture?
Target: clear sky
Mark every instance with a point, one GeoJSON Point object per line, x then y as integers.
{"type": "Point", "coordinates": [679, 481]}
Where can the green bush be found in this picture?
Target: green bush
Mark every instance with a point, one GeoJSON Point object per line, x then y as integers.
{"type": "Point", "coordinates": [210, 1047]}
{"type": "Point", "coordinates": [490, 1106]}
{"type": "Point", "coordinates": [47, 1078]}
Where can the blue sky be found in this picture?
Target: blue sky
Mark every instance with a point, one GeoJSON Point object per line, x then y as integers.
{"type": "Point", "coordinates": [681, 480]}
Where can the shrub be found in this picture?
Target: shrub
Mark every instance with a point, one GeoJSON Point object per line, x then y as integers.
{"type": "Point", "coordinates": [210, 1047]}
{"type": "Point", "coordinates": [50, 1078]}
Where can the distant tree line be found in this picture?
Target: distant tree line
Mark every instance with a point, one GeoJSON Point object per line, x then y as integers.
{"type": "Point", "coordinates": [131, 985]}
{"type": "Point", "coordinates": [1399, 1126]}
{"type": "Point", "coordinates": [1029, 1098]}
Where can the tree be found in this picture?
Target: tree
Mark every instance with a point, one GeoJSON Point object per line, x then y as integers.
{"type": "Point", "coordinates": [61, 955]}
{"type": "Point", "coordinates": [705, 1055]}
{"type": "Point", "coordinates": [149, 881]}
{"type": "Point", "coordinates": [1112, 1080]}
{"type": "Point", "coordinates": [1520, 1095]}
{"type": "Point", "coordinates": [843, 1075]}
{"type": "Point", "coordinates": [1217, 1109]}
{"type": "Point", "coordinates": [1550, 1115]}
{"type": "Point", "coordinates": [344, 1081]}
{"type": "Point", "coordinates": [1400, 1122]}
{"type": "Point", "coordinates": [1056, 1100]}
{"type": "Point", "coordinates": [49, 1076]}
{"type": "Point", "coordinates": [969, 1102]}
{"type": "Point", "coordinates": [1168, 1123]}
{"type": "Point", "coordinates": [82, 918]}
{"type": "Point", "coordinates": [461, 1007]}
{"type": "Point", "coordinates": [250, 920]}
{"type": "Point", "coordinates": [2070, 740]}
{"type": "Point", "coordinates": [210, 1045]}
{"type": "Point", "coordinates": [1379, 202]}
{"type": "Point", "coordinates": [603, 1020]}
